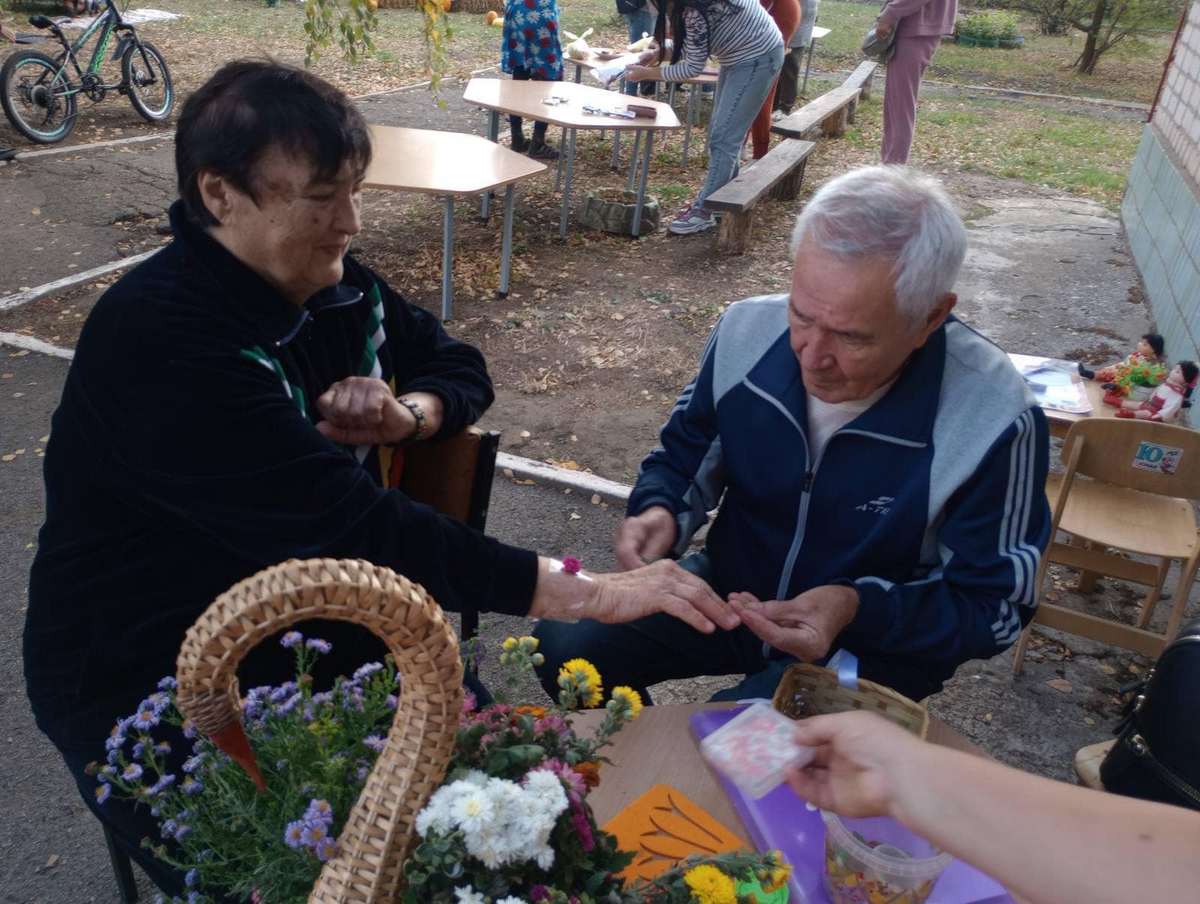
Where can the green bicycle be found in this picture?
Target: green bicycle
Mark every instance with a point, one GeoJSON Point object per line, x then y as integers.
{"type": "Point", "coordinates": [40, 96]}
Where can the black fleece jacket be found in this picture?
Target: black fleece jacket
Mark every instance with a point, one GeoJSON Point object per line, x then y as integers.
{"type": "Point", "coordinates": [183, 458]}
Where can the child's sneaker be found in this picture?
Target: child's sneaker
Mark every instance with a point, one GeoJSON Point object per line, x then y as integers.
{"type": "Point", "coordinates": [694, 219]}
{"type": "Point", "coordinates": [541, 150]}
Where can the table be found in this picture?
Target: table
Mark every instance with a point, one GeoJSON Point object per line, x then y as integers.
{"type": "Point", "coordinates": [449, 165]}
{"type": "Point", "coordinates": [708, 77]}
{"type": "Point", "coordinates": [658, 748]}
{"type": "Point", "coordinates": [525, 99]}
{"type": "Point", "coordinates": [817, 33]}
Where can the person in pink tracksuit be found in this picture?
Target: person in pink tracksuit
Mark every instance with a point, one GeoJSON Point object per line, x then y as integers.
{"type": "Point", "coordinates": [919, 26]}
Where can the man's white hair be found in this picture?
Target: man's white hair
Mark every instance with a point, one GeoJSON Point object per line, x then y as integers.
{"type": "Point", "coordinates": [895, 213]}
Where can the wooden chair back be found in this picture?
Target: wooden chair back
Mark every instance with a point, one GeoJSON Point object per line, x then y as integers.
{"type": "Point", "coordinates": [1140, 455]}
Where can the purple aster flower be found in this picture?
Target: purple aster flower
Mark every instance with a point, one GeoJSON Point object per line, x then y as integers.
{"type": "Point", "coordinates": [191, 877]}
{"type": "Point", "coordinates": [322, 698]}
{"type": "Point", "coordinates": [168, 828]}
{"type": "Point", "coordinates": [162, 747]}
{"type": "Point", "coordinates": [116, 740]}
{"type": "Point", "coordinates": [106, 773]}
{"type": "Point", "coordinates": [155, 812]}
{"type": "Point", "coordinates": [194, 897]}
{"type": "Point", "coordinates": [319, 811]}
{"type": "Point", "coordinates": [139, 750]}
{"type": "Point", "coordinates": [392, 701]}
{"type": "Point", "coordinates": [182, 832]}
{"type": "Point", "coordinates": [291, 639]}
{"type": "Point", "coordinates": [132, 772]}
{"type": "Point", "coordinates": [189, 729]}
{"type": "Point", "coordinates": [113, 758]}
{"type": "Point", "coordinates": [374, 742]}
{"type": "Point", "coordinates": [290, 704]}
{"type": "Point", "coordinates": [103, 792]}
{"type": "Point", "coordinates": [162, 784]}
{"type": "Point", "coordinates": [145, 718]}
{"type": "Point", "coordinates": [363, 672]}
{"type": "Point", "coordinates": [159, 701]}
{"type": "Point", "coordinates": [362, 772]}
{"type": "Point", "coordinates": [293, 835]}
{"type": "Point", "coordinates": [194, 763]}
{"type": "Point", "coordinates": [314, 832]}
{"type": "Point", "coordinates": [281, 693]}
{"type": "Point", "coordinates": [321, 646]}
{"type": "Point", "coordinates": [325, 849]}
{"type": "Point", "coordinates": [167, 684]}
{"type": "Point", "coordinates": [191, 787]}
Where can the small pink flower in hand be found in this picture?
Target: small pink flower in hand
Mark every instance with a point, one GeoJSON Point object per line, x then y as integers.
{"type": "Point", "coordinates": [571, 565]}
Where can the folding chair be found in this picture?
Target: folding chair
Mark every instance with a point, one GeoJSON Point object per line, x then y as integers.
{"type": "Point", "coordinates": [1129, 486]}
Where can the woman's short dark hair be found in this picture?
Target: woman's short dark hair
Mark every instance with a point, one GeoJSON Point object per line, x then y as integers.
{"type": "Point", "coordinates": [249, 106]}
{"type": "Point", "coordinates": [1155, 341]}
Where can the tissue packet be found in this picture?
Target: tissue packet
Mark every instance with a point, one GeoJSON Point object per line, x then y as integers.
{"type": "Point", "coordinates": [755, 749]}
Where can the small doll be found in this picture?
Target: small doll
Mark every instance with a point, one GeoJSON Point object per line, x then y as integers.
{"type": "Point", "coordinates": [1168, 400]}
{"type": "Point", "coordinates": [1149, 351]}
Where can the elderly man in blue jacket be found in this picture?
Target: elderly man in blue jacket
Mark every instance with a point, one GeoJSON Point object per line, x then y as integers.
{"type": "Point", "coordinates": [878, 467]}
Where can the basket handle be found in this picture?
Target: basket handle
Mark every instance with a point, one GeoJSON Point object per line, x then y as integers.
{"type": "Point", "coordinates": [845, 665]}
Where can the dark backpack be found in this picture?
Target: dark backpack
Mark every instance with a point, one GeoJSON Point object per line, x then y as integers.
{"type": "Point", "coordinates": [1157, 754]}
{"type": "Point", "coordinates": [624, 7]}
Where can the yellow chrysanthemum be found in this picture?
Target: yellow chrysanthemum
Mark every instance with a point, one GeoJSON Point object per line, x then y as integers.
{"type": "Point", "coordinates": [510, 643]}
{"type": "Point", "coordinates": [583, 678]}
{"type": "Point", "coordinates": [709, 885]}
{"type": "Point", "coordinates": [778, 878]}
{"type": "Point", "coordinates": [630, 697]}
{"type": "Point", "coordinates": [528, 643]}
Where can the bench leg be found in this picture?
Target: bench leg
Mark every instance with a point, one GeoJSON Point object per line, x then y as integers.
{"type": "Point", "coordinates": [788, 188]}
{"type": "Point", "coordinates": [866, 88]}
{"type": "Point", "coordinates": [733, 232]}
{"type": "Point", "coordinates": [834, 125]}
{"type": "Point", "coordinates": [851, 110]}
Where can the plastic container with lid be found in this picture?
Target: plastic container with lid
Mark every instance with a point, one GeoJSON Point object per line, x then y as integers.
{"type": "Point", "coordinates": [877, 860]}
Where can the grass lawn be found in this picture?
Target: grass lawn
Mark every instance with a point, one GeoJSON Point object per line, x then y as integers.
{"type": "Point", "coordinates": [1128, 72]}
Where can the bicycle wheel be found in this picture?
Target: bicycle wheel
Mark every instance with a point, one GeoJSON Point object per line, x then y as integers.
{"type": "Point", "coordinates": [37, 97]}
{"type": "Point", "coordinates": [145, 76]}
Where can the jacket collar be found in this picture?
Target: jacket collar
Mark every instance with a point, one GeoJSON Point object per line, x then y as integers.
{"type": "Point", "coordinates": [248, 295]}
{"type": "Point", "coordinates": [908, 411]}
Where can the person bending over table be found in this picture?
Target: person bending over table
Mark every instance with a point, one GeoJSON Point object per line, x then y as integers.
{"type": "Point", "coordinates": [1046, 841]}
{"type": "Point", "coordinates": [240, 399]}
{"type": "Point", "coordinates": [746, 42]}
{"type": "Point", "coordinates": [879, 467]}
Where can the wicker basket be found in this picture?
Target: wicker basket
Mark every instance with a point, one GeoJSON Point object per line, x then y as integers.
{"type": "Point", "coordinates": [809, 690]}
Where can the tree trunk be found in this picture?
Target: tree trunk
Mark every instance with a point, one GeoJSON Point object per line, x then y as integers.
{"type": "Point", "coordinates": [1086, 64]}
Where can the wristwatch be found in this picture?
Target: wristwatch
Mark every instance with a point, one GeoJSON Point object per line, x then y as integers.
{"type": "Point", "coordinates": [418, 414]}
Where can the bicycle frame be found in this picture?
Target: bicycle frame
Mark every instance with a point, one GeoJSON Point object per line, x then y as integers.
{"type": "Point", "coordinates": [107, 23]}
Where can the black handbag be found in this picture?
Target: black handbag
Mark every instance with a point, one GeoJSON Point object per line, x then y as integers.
{"type": "Point", "coordinates": [1157, 753]}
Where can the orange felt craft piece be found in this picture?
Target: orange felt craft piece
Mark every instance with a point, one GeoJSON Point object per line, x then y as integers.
{"type": "Point", "coordinates": [663, 827]}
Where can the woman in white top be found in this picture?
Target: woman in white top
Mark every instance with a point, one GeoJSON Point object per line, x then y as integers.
{"type": "Point", "coordinates": [740, 36]}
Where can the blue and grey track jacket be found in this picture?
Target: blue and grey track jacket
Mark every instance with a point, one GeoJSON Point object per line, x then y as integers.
{"type": "Point", "coordinates": [931, 502]}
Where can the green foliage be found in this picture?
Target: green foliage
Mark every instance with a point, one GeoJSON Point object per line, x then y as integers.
{"type": "Point", "coordinates": [990, 25]}
{"type": "Point", "coordinates": [326, 21]}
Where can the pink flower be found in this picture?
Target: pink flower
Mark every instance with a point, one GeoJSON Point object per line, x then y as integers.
{"type": "Point", "coordinates": [255, 897]}
{"type": "Point", "coordinates": [571, 565]}
{"type": "Point", "coordinates": [582, 827]}
{"type": "Point", "coordinates": [469, 702]}
{"type": "Point", "coordinates": [539, 893]}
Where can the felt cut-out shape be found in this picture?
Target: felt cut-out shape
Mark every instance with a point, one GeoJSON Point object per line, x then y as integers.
{"type": "Point", "coordinates": [663, 827]}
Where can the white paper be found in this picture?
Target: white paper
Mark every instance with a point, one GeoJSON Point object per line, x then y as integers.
{"type": "Point", "coordinates": [614, 68]}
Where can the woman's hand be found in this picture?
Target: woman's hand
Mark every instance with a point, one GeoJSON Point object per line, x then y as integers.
{"type": "Point", "coordinates": [641, 73]}
{"type": "Point", "coordinates": [863, 766]}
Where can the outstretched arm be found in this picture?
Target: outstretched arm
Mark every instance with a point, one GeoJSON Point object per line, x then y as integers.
{"type": "Point", "coordinates": [1046, 841]}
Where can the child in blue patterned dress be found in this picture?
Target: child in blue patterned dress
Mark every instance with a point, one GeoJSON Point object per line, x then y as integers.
{"type": "Point", "coordinates": [532, 51]}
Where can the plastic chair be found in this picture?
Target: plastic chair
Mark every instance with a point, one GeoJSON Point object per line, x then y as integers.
{"type": "Point", "coordinates": [1143, 478]}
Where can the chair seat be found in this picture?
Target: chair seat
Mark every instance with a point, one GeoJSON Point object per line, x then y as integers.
{"type": "Point", "coordinates": [1127, 519]}
{"type": "Point", "coordinates": [1087, 763]}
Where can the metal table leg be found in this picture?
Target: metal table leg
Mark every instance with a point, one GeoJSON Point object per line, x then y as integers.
{"type": "Point", "coordinates": [633, 160]}
{"type": "Point", "coordinates": [558, 173]}
{"type": "Point", "coordinates": [506, 242]}
{"type": "Point", "coordinates": [578, 73]}
{"type": "Point", "coordinates": [615, 163]}
{"type": "Point", "coordinates": [693, 93]}
{"type": "Point", "coordinates": [641, 189]}
{"type": "Point", "coordinates": [448, 258]}
{"type": "Point", "coordinates": [565, 210]}
{"type": "Point", "coordinates": [807, 65]}
{"type": "Point", "coordinates": [485, 205]}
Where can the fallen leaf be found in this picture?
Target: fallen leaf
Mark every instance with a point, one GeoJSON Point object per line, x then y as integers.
{"type": "Point", "coordinates": [525, 434]}
{"type": "Point", "coordinates": [508, 472]}
{"type": "Point", "coordinates": [1088, 720]}
{"type": "Point", "coordinates": [595, 498]}
{"type": "Point", "coordinates": [1060, 684]}
{"type": "Point", "coordinates": [9, 457]}
{"type": "Point", "coordinates": [524, 483]}
{"type": "Point", "coordinates": [1107, 669]}
{"type": "Point", "coordinates": [575, 516]}
{"type": "Point", "coordinates": [52, 861]}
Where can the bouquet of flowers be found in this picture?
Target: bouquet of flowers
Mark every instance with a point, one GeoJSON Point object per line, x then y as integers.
{"type": "Point", "coordinates": [1140, 373]}
{"type": "Point", "coordinates": [509, 825]}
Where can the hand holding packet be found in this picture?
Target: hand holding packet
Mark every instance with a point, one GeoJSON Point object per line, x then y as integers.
{"type": "Point", "coordinates": [755, 749]}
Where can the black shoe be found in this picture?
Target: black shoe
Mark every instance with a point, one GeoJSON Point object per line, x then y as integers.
{"type": "Point", "coordinates": [1085, 373]}
{"type": "Point", "coordinates": [1108, 387]}
{"type": "Point", "coordinates": [646, 89]}
{"type": "Point", "coordinates": [540, 150]}
{"type": "Point", "coordinates": [520, 146]}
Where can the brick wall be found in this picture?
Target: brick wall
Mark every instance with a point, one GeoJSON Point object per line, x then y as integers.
{"type": "Point", "coordinates": [1161, 208]}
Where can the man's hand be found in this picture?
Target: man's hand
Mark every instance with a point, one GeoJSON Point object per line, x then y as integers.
{"type": "Point", "coordinates": [805, 626]}
{"type": "Point", "coordinates": [644, 537]}
{"type": "Point", "coordinates": [883, 28]}
{"type": "Point", "coordinates": [362, 411]}
{"type": "Point", "coordinates": [629, 595]}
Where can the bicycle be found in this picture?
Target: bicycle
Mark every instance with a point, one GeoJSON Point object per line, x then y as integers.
{"type": "Point", "coordinates": [40, 97]}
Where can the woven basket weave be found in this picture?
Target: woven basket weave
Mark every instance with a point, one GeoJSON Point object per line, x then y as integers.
{"type": "Point", "coordinates": [809, 690]}
{"type": "Point", "coordinates": [378, 831]}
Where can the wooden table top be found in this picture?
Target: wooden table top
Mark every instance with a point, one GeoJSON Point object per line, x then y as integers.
{"type": "Point", "coordinates": [1059, 422]}
{"type": "Point", "coordinates": [442, 163]}
{"type": "Point", "coordinates": [525, 98]}
{"type": "Point", "coordinates": [658, 748]}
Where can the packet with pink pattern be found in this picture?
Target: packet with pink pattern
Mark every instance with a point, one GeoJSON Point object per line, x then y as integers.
{"type": "Point", "coordinates": [755, 749]}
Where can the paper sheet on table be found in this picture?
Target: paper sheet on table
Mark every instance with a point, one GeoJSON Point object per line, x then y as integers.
{"type": "Point", "coordinates": [613, 69]}
{"type": "Point", "coordinates": [1053, 383]}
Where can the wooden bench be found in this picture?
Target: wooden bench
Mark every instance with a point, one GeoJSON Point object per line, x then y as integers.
{"type": "Point", "coordinates": [832, 111]}
{"type": "Point", "coordinates": [777, 175]}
